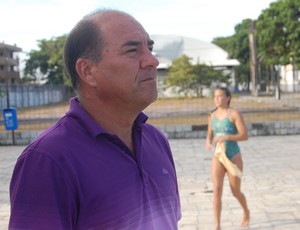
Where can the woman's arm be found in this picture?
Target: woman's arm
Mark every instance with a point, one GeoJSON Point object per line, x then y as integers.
{"type": "Point", "coordinates": [237, 118]}
{"type": "Point", "coordinates": [209, 137]}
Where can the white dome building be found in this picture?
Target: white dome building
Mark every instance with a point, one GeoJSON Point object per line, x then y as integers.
{"type": "Point", "coordinates": [200, 52]}
{"type": "Point", "coordinates": [169, 47]}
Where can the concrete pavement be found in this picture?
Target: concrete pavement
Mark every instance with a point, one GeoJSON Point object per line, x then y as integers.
{"type": "Point", "coordinates": [271, 184]}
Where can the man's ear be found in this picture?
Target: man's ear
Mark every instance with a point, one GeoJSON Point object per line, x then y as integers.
{"type": "Point", "coordinates": [84, 68]}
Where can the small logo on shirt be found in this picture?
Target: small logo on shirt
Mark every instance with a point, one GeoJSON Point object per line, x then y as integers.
{"type": "Point", "coordinates": [165, 171]}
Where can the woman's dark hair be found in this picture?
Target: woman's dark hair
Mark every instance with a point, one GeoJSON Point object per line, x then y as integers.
{"type": "Point", "coordinates": [84, 41]}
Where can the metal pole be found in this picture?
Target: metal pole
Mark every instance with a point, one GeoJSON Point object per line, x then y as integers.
{"type": "Point", "coordinates": [253, 59]}
{"type": "Point", "coordinates": [8, 106]}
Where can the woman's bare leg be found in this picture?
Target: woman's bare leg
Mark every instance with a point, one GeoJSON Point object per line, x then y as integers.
{"type": "Point", "coordinates": [235, 185]}
{"type": "Point", "coordinates": [218, 173]}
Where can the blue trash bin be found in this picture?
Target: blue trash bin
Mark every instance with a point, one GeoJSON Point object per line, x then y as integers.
{"type": "Point", "coordinates": [10, 118]}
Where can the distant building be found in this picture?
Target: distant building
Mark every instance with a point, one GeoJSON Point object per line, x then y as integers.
{"type": "Point", "coordinates": [289, 78]}
{"type": "Point", "coordinates": [9, 64]}
{"type": "Point", "coordinates": [167, 48]}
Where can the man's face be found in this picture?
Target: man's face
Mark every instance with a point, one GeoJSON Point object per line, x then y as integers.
{"type": "Point", "coordinates": [126, 73]}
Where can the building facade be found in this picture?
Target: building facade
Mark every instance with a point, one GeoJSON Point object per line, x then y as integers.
{"type": "Point", "coordinates": [9, 64]}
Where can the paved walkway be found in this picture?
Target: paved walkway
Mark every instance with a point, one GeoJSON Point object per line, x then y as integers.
{"type": "Point", "coordinates": [271, 183]}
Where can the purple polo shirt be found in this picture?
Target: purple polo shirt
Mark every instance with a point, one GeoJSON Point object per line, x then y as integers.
{"type": "Point", "coordinates": [78, 176]}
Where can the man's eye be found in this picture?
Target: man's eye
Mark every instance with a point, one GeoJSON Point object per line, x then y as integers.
{"type": "Point", "coordinates": [150, 48]}
{"type": "Point", "coordinates": [131, 50]}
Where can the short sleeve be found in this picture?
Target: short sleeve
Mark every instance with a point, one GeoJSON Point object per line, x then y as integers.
{"type": "Point", "coordinates": [41, 195]}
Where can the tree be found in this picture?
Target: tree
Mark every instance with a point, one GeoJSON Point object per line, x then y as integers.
{"type": "Point", "coordinates": [204, 76]}
{"type": "Point", "coordinates": [47, 62]}
{"type": "Point", "coordinates": [237, 47]}
{"type": "Point", "coordinates": [191, 79]}
{"type": "Point", "coordinates": [278, 33]}
{"type": "Point", "coordinates": [180, 75]}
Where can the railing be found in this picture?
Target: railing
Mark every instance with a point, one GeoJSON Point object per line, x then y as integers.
{"type": "Point", "coordinates": [38, 107]}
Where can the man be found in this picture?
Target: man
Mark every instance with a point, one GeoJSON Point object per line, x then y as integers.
{"type": "Point", "coordinates": [101, 166]}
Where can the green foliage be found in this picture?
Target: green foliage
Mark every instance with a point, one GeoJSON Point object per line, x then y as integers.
{"type": "Point", "coordinates": [191, 79]}
{"type": "Point", "coordinates": [237, 47]}
{"type": "Point", "coordinates": [226, 43]}
{"type": "Point", "coordinates": [47, 62]}
{"type": "Point", "coordinates": [180, 74]}
{"type": "Point", "coordinates": [278, 33]}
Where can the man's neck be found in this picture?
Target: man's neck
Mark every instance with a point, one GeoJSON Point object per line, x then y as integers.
{"type": "Point", "coordinates": [113, 119]}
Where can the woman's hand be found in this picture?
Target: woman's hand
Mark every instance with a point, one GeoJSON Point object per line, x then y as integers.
{"type": "Point", "coordinates": [220, 138]}
{"type": "Point", "coordinates": [208, 144]}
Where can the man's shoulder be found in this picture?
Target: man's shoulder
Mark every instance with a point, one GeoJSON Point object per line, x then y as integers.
{"type": "Point", "coordinates": [57, 137]}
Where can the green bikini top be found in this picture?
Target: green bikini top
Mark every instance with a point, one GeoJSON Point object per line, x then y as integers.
{"type": "Point", "coordinates": [223, 126]}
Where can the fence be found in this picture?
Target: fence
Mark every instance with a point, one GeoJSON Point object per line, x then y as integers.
{"type": "Point", "coordinates": [38, 107]}
{"type": "Point", "coordinates": [25, 96]}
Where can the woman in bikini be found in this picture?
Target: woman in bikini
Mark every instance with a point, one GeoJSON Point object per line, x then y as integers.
{"type": "Point", "coordinates": [226, 124]}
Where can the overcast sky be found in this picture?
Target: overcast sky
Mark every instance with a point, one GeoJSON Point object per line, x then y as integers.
{"type": "Point", "coordinates": [23, 22]}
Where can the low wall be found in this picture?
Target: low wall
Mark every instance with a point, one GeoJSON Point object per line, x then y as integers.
{"type": "Point", "coordinates": [20, 138]}
{"type": "Point", "coordinates": [176, 132]}
{"type": "Point", "coordinates": [255, 129]}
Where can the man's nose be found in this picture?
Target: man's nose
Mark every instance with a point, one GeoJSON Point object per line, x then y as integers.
{"type": "Point", "coordinates": [149, 60]}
